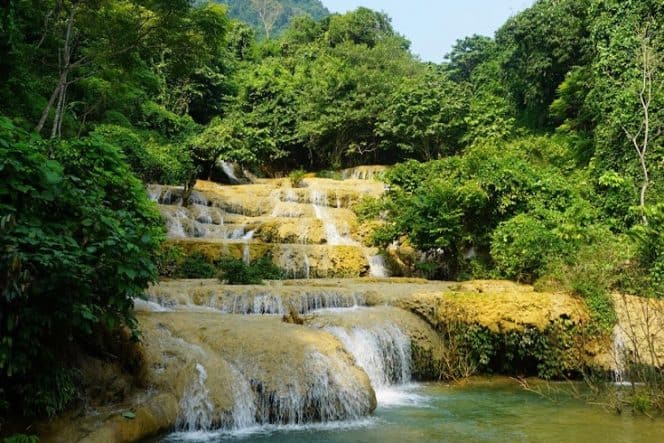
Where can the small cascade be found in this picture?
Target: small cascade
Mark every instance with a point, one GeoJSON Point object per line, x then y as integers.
{"type": "Point", "coordinates": [619, 350]}
{"type": "Point", "coordinates": [154, 192]}
{"type": "Point", "coordinates": [244, 407]}
{"type": "Point", "coordinates": [271, 304]}
{"type": "Point", "coordinates": [384, 352]}
{"type": "Point", "coordinates": [319, 202]}
{"type": "Point", "coordinates": [196, 408]}
{"type": "Point", "coordinates": [307, 267]}
{"type": "Point", "coordinates": [246, 250]}
{"type": "Point", "coordinates": [377, 266]}
{"type": "Point", "coordinates": [330, 392]}
{"type": "Point", "coordinates": [174, 223]}
{"type": "Point", "coordinates": [229, 170]}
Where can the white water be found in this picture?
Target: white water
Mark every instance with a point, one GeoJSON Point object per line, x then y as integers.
{"type": "Point", "coordinates": [319, 203]}
{"type": "Point", "coordinates": [303, 303]}
{"type": "Point", "coordinates": [196, 409]}
{"type": "Point", "coordinates": [244, 408]}
{"type": "Point", "coordinates": [618, 351]}
{"type": "Point", "coordinates": [384, 352]}
{"type": "Point", "coordinates": [229, 170]}
{"type": "Point", "coordinates": [377, 266]}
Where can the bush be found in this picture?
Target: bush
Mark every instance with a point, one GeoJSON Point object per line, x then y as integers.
{"type": "Point", "coordinates": [153, 162]}
{"type": "Point", "coordinates": [296, 177]}
{"type": "Point", "coordinates": [236, 272]}
{"type": "Point", "coordinates": [168, 260]}
{"type": "Point", "coordinates": [196, 265]}
{"type": "Point", "coordinates": [522, 246]}
{"type": "Point", "coordinates": [369, 208]}
{"type": "Point", "coordinates": [79, 239]}
{"type": "Point", "coordinates": [592, 273]}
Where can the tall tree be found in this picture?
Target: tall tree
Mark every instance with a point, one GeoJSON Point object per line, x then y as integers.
{"type": "Point", "coordinates": [268, 11]}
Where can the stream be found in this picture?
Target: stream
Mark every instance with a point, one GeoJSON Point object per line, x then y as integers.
{"type": "Point", "coordinates": [481, 410]}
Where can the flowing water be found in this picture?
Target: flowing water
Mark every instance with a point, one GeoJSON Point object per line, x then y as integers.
{"type": "Point", "coordinates": [482, 410]}
{"type": "Point", "coordinates": [310, 232]}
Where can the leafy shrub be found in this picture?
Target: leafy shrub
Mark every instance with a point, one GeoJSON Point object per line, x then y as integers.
{"type": "Point", "coordinates": [237, 272]}
{"type": "Point", "coordinates": [265, 268]}
{"type": "Point", "coordinates": [158, 118]}
{"type": "Point", "coordinates": [168, 260]}
{"type": "Point", "coordinates": [21, 438]}
{"type": "Point", "coordinates": [152, 162]}
{"type": "Point", "coordinates": [592, 273]}
{"type": "Point", "coordinates": [521, 247]}
{"type": "Point", "coordinates": [196, 265]}
{"type": "Point", "coordinates": [368, 208]}
{"type": "Point", "coordinates": [296, 177]}
{"type": "Point", "coordinates": [79, 238]}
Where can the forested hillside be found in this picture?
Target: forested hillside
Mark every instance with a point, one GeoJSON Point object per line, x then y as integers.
{"type": "Point", "coordinates": [271, 17]}
{"type": "Point", "coordinates": [534, 155]}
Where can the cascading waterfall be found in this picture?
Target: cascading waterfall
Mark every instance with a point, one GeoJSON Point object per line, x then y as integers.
{"type": "Point", "coordinates": [229, 170]}
{"type": "Point", "coordinates": [618, 350]}
{"type": "Point", "coordinates": [304, 303]}
{"type": "Point", "coordinates": [377, 266]}
{"type": "Point", "coordinates": [244, 407]}
{"type": "Point", "coordinates": [384, 352]}
{"type": "Point", "coordinates": [246, 250]}
{"type": "Point", "coordinates": [319, 202]}
{"type": "Point", "coordinates": [196, 409]}
{"type": "Point", "coordinates": [329, 393]}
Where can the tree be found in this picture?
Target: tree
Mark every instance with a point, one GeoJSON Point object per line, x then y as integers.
{"type": "Point", "coordinates": [268, 11]}
{"type": "Point", "coordinates": [79, 240]}
{"type": "Point", "coordinates": [647, 129]}
{"type": "Point", "coordinates": [425, 116]}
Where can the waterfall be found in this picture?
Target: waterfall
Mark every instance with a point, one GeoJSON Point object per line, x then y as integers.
{"type": "Point", "coordinates": [229, 170]}
{"type": "Point", "coordinates": [174, 223]}
{"type": "Point", "coordinates": [244, 407]}
{"type": "Point", "coordinates": [196, 408]}
{"type": "Point", "coordinates": [154, 192]}
{"type": "Point", "coordinates": [304, 302]}
{"type": "Point", "coordinates": [307, 267]}
{"type": "Point", "coordinates": [329, 392]}
{"type": "Point", "coordinates": [246, 249]}
{"type": "Point", "coordinates": [384, 352]}
{"type": "Point", "coordinates": [618, 350]}
{"type": "Point", "coordinates": [319, 202]}
{"type": "Point", "coordinates": [377, 266]}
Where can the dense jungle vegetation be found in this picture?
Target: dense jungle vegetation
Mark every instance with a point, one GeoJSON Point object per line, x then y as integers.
{"type": "Point", "coordinates": [534, 155]}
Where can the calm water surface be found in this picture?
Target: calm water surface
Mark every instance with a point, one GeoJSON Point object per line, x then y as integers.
{"type": "Point", "coordinates": [479, 411]}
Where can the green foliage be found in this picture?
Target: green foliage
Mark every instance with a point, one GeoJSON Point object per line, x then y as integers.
{"type": "Point", "coordinates": [368, 208]}
{"type": "Point", "coordinates": [552, 353]}
{"type": "Point", "coordinates": [79, 238]}
{"type": "Point", "coordinates": [296, 177]}
{"type": "Point", "coordinates": [426, 116]}
{"type": "Point", "coordinates": [332, 175]}
{"type": "Point", "coordinates": [195, 265]}
{"type": "Point", "coordinates": [153, 163]}
{"type": "Point", "coordinates": [237, 272]}
{"type": "Point", "coordinates": [21, 438]}
{"type": "Point", "coordinates": [454, 205]}
{"type": "Point", "coordinates": [168, 260]}
{"type": "Point", "coordinates": [286, 11]}
{"type": "Point", "coordinates": [592, 273]}
{"type": "Point", "coordinates": [522, 245]}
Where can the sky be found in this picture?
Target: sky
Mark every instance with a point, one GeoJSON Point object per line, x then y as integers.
{"type": "Point", "coordinates": [433, 26]}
